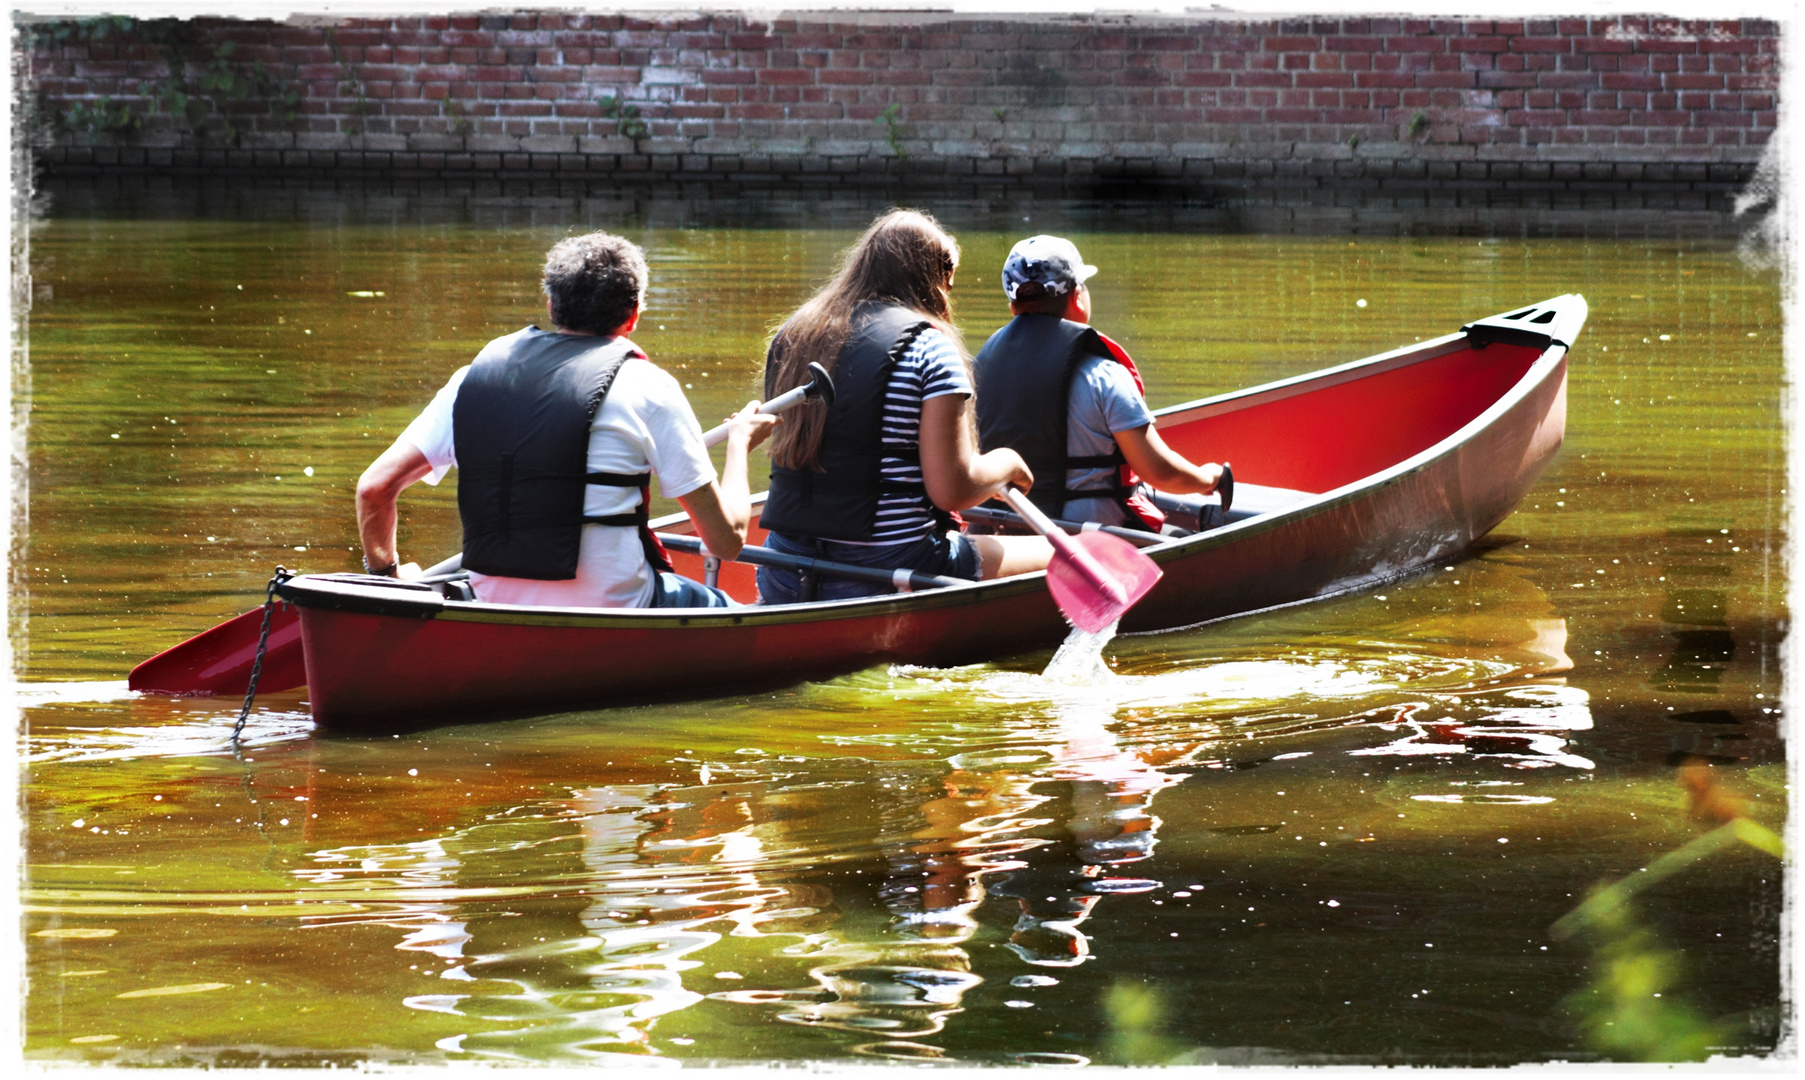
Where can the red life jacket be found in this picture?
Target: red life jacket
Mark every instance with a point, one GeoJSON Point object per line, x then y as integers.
{"type": "Point", "coordinates": [1137, 502]}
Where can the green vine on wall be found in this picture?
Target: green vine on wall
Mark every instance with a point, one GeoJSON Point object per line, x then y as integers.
{"type": "Point", "coordinates": [200, 78]}
{"type": "Point", "coordinates": [626, 114]}
{"type": "Point", "coordinates": [459, 124]}
{"type": "Point", "coordinates": [349, 83]}
{"type": "Point", "coordinates": [891, 119]}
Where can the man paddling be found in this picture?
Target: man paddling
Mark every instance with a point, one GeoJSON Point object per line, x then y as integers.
{"type": "Point", "coordinates": [1069, 400]}
{"type": "Point", "coordinates": [556, 435]}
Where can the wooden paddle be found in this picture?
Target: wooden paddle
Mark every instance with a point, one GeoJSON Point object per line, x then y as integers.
{"type": "Point", "coordinates": [218, 661]}
{"type": "Point", "coordinates": [1094, 577]}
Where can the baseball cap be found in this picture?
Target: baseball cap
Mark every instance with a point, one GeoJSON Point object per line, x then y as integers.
{"type": "Point", "coordinates": [1051, 262]}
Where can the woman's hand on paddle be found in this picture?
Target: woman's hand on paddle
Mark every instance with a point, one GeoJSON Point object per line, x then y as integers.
{"type": "Point", "coordinates": [1020, 475]}
{"type": "Point", "coordinates": [751, 425]}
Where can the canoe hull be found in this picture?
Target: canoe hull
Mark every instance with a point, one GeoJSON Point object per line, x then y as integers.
{"type": "Point", "coordinates": [380, 657]}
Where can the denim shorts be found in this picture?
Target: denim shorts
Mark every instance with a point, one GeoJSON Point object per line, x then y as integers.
{"type": "Point", "coordinates": [673, 590]}
{"type": "Point", "coordinates": [947, 554]}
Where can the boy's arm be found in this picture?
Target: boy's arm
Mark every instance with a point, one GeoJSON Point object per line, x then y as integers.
{"type": "Point", "coordinates": [1163, 467]}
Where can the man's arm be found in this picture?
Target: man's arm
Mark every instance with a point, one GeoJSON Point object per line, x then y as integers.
{"type": "Point", "coordinates": [378, 489]}
{"type": "Point", "coordinates": [722, 509]}
{"type": "Point", "coordinates": [1163, 467]}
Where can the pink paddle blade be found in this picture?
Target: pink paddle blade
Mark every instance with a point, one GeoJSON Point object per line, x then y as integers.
{"type": "Point", "coordinates": [218, 661]}
{"type": "Point", "coordinates": [1083, 603]}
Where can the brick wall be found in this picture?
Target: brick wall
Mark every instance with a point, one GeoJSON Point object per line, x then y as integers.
{"type": "Point", "coordinates": [1608, 102]}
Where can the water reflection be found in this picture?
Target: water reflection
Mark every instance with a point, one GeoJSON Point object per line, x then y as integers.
{"type": "Point", "coordinates": [903, 863]}
{"type": "Point", "coordinates": [849, 898]}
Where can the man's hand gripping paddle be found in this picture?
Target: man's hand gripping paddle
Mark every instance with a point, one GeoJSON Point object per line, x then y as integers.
{"type": "Point", "coordinates": [218, 661]}
{"type": "Point", "coordinates": [1094, 577]}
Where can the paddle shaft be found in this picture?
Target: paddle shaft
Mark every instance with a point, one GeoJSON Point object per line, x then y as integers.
{"type": "Point", "coordinates": [1064, 549]}
{"type": "Point", "coordinates": [904, 580]}
{"type": "Point", "coordinates": [1004, 517]}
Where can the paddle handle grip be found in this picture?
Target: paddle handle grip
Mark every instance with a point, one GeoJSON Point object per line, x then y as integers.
{"type": "Point", "coordinates": [1064, 547]}
{"type": "Point", "coordinates": [820, 386]}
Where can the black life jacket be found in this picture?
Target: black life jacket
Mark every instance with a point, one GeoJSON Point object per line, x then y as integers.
{"type": "Point", "coordinates": [520, 427]}
{"type": "Point", "coordinates": [1024, 380]}
{"type": "Point", "coordinates": [839, 502]}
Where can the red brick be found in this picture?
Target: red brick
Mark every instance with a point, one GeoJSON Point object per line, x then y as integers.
{"type": "Point", "coordinates": [1261, 78]}
{"type": "Point", "coordinates": [1601, 45]}
{"type": "Point", "coordinates": [1715, 118]}
{"type": "Point", "coordinates": [1732, 45]}
{"type": "Point", "coordinates": [1385, 79]}
{"type": "Point", "coordinates": [787, 77]}
{"type": "Point", "coordinates": [1540, 45]}
{"type": "Point", "coordinates": [1532, 117]}
{"type": "Point", "coordinates": [1488, 44]}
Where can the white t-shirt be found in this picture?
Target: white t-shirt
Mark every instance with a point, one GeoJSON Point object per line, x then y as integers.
{"type": "Point", "coordinates": [645, 424]}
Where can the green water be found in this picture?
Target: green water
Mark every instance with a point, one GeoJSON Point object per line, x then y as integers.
{"type": "Point", "coordinates": [1338, 832]}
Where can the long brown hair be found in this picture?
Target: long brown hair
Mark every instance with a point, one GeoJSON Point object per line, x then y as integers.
{"type": "Point", "coordinates": [905, 258]}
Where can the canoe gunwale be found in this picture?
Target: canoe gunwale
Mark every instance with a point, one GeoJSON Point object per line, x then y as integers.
{"type": "Point", "coordinates": [409, 600]}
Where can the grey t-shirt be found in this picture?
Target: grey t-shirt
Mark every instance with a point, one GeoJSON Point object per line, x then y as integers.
{"type": "Point", "coordinates": [1103, 401]}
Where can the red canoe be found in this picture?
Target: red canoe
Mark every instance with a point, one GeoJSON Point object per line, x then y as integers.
{"type": "Point", "coordinates": [1346, 477]}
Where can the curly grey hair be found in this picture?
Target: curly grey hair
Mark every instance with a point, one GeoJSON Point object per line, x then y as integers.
{"type": "Point", "coordinates": [594, 282]}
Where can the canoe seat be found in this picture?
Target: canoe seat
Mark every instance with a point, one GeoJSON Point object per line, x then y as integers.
{"type": "Point", "coordinates": [1252, 500]}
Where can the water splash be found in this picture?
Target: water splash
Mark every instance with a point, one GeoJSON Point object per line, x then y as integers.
{"type": "Point", "coordinates": [1079, 661]}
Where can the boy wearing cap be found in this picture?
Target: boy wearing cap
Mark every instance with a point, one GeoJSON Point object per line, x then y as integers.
{"type": "Point", "coordinates": [1069, 400]}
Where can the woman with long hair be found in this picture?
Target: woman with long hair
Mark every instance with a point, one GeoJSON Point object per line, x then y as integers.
{"type": "Point", "coordinates": [874, 479]}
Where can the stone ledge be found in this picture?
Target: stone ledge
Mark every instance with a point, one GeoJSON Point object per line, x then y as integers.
{"type": "Point", "coordinates": [1663, 180]}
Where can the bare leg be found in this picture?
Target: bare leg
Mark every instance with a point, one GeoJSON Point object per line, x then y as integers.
{"type": "Point", "coordinates": [1006, 556]}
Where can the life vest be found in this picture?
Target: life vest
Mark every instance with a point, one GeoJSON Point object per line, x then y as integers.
{"type": "Point", "coordinates": [839, 500]}
{"type": "Point", "coordinates": [520, 427]}
{"type": "Point", "coordinates": [1024, 382]}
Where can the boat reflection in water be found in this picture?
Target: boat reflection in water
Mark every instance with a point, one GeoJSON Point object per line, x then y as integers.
{"type": "Point", "coordinates": [869, 888]}
{"type": "Point", "coordinates": [1042, 827]}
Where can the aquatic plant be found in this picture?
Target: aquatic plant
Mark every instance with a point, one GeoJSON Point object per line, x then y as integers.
{"type": "Point", "coordinates": [1627, 1010]}
{"type": "Point", "coordinates": [1137, 1013]}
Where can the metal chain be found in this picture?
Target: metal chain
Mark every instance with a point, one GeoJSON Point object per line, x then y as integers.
{"type": "Point", "coordinates": [269, 609]}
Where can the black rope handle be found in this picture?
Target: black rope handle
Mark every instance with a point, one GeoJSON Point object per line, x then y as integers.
{"type": "Point", "coordinates": [269, 609]}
